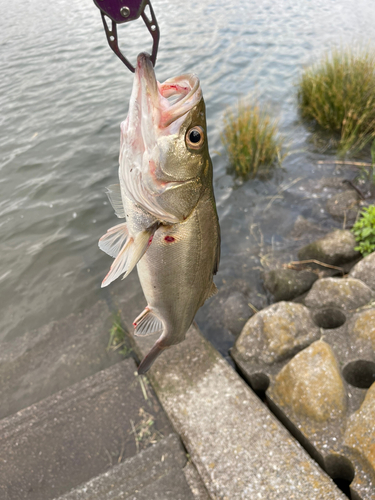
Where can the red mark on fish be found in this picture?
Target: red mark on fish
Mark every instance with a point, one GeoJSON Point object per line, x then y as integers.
{"type": "Point", "coordinates": [169, 239]}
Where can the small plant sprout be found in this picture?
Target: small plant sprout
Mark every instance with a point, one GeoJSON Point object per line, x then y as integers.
{"type": "Point", "coordinates": [338, 93]}
{"type": "Point", "coordinates": [251, 140]}
{"type": "Point", "coordinates": [364, 231]}
{"type": "Point", "coordinates": [117, 336]}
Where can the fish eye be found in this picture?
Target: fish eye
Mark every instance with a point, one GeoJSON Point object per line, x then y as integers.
{"type": "Point", "coordinates": [195, 137]}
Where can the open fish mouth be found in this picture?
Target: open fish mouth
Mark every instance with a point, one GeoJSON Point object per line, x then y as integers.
{"type": "Point", "coordinates": [154, 96]}
{"type": "Point", "coordinates": [153, 154]}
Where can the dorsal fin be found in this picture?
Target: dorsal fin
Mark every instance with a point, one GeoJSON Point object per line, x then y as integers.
{"type": "Point", "coordinates": [114, 195]}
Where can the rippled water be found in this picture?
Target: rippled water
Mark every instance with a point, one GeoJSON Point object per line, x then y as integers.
{"type": "Point", "coordinates": [63, 94]}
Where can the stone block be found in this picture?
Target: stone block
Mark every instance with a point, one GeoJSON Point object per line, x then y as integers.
{"type": "Point", "coordinates": [45, 361]}
{"type": "Point", "coordinates": [320, 393]}
{"type": "Point", "coordinates": [155, 473]}
{"type": "Point", "coordinates": [238, 447]}
{"type": "Point", "coordinates": [64, 440]}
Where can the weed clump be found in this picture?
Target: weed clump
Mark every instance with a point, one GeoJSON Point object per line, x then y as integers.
{"type": "Point", "coordinates": [117, 338]}
{"type": "Point", "coordinates": [339, 94]}
{"type": "Point", "coordinates": [364, 231]}
{"type": "Point", "coordinates": [251, 140]}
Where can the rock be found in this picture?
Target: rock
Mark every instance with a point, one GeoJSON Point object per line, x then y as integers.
{"type": "Point", "coordinates": [344, 205]}
{"type": "Point", "coordinates": [332, 183]}
{"type": "Point", "coordinates": [364, 270]}
{"type": "Point", "coordinates": [236, 312]}
{"type": "Point", "coordinates": [287, 284]}
{"type": "Point", "coordinates": [360, 434]}
{"type": "Point", "coordinates": [335, 248]}
{"type": "Point", "coordinates": [311, 384]}
{"type": "Point", "coordinates": [276, 332]}
{"type": "Point", "coordinates": [361, 332]}
{"type": "Point", "coordinates": [230, 307]}
{"type": "Point", "coordinates": [344, 293]}
{"type": "Point", "coordinates": [303, 228]}
{"type": "Point", "coordinates": [364, 326]}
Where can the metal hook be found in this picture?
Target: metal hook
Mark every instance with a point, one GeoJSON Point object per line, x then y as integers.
{"type": "Point", "coordinates": [118, 14]}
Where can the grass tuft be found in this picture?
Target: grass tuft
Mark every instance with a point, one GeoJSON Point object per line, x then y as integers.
{"type": "Point", "coordinates": [339, 94]}
{"type": "Point", "coordinates": [117, 338]}
{"type": "Point", "coordinates": [251, 140]}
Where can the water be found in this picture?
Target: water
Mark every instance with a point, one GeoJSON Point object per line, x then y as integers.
{"type": "Point", "coordinates": [63, 94]}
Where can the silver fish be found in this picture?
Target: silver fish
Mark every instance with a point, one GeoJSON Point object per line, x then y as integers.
{"type": "Point", "coordinates": [172, 230]}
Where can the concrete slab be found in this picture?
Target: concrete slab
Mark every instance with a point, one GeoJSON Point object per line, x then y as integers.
{"type": "Point", "coordinates": [240, 449]}
{"type": "Point", "coordinates": [154, 474]}
{"type": "Point", "coordinates": [318, 393]}
{"type": "Point", "coordinates": [195, 482]}
{"type": "Point", "coordinates": [78, 433]}
{"type": "Point", "coordinates": [58, 355]}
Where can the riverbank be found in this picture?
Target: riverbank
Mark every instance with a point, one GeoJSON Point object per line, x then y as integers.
{"type": "Point", "coordinates": [107, 434]}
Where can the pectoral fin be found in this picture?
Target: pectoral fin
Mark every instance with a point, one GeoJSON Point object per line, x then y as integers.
{"type": "Point", "coordinates": [131, 251]}
{"type": "Point", "coordinates": [114, 195]}
{"type": "Point", "coordinates": [114, 239]}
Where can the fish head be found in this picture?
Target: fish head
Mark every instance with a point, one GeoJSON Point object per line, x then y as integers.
{"type": "Point", "coordinates": [164, 158]}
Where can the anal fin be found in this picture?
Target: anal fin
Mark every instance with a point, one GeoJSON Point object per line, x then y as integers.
{"type": "Point", "coordinates": [212, 291]}
{"type": "Point", "coordinates": [147, 323]}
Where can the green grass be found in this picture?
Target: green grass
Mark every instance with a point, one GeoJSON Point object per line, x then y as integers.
{"type": "Point", "coordinates": [251, 140]}
{"type": "Point", "coordinates": [338, 92]}
{"type": "Point", "coordinates": [117, 338]}
{"type": "Point", "coordinates": [364, 231]}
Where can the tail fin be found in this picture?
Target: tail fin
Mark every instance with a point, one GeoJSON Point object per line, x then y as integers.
{"type": "Point", "coordinates": [148, 360]}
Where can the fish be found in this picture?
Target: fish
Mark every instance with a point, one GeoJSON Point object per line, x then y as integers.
{"type": "Point", "coordinates": [165, 193]}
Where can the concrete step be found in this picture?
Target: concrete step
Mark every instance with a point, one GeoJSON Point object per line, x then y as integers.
{"type": "Point", "coordinates": [239, 448]}
{"type": "Point", "coordinates": [78, 433]}
{"type": "Point", "coordinates": [42, 362]}
{"type": "Point", "coordinates": [154, 474]}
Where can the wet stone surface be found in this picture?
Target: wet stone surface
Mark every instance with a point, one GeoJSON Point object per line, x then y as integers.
{"type": "Point", "coordinates": [287, 284]}
{"type": "Point", "coordinates": [344, 206]}
{"type": "Point", "coordinates": [322, 388]}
